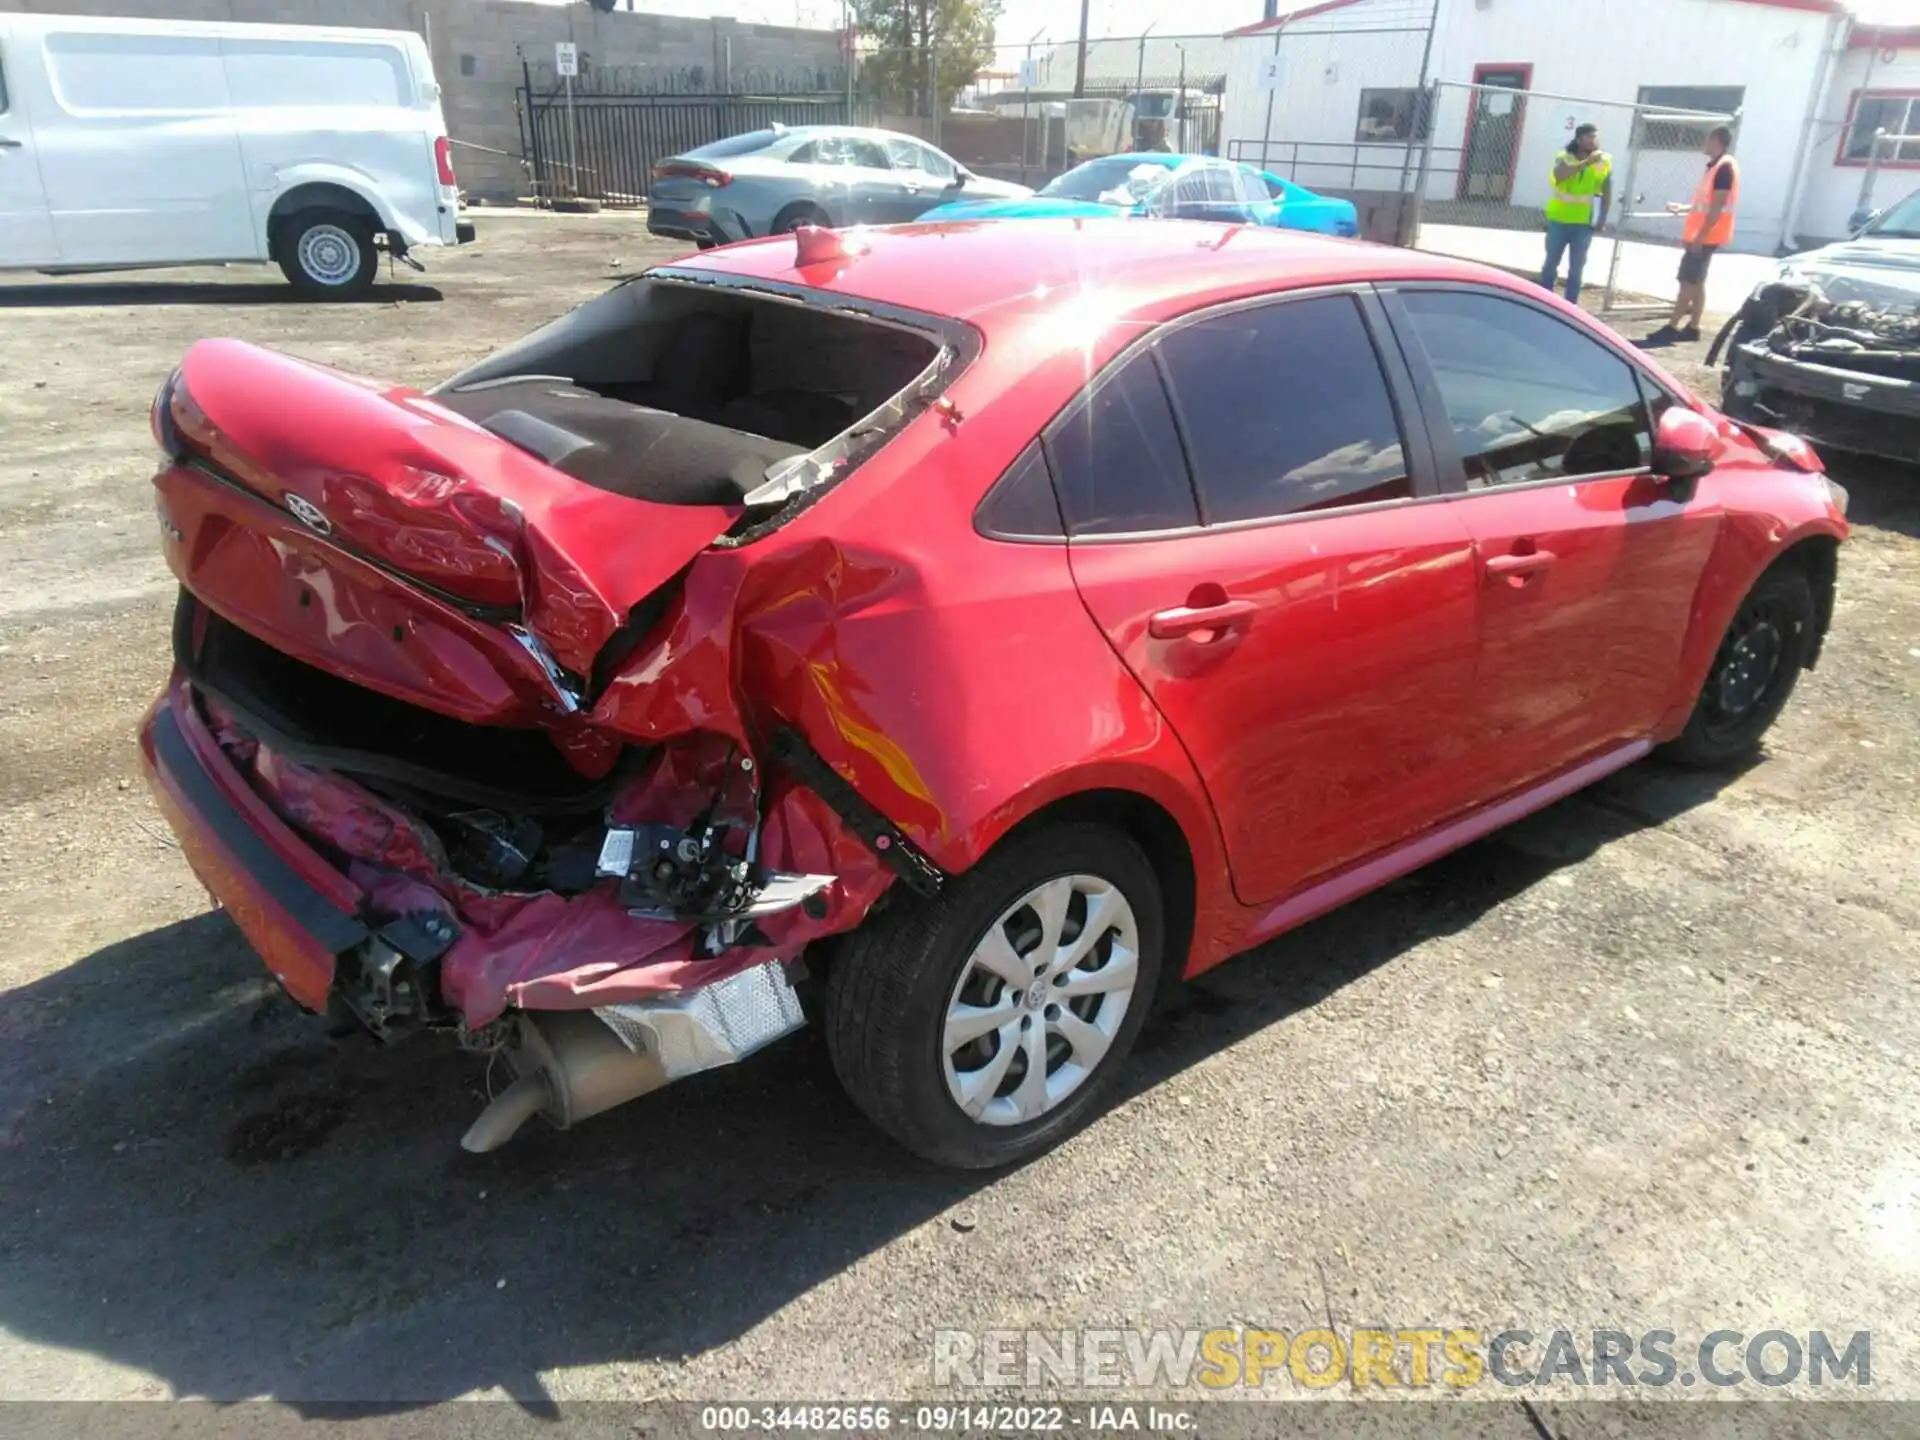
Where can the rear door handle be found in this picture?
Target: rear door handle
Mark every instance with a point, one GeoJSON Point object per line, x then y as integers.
{"type": "Point", "coordinates": [1500, 567]}
{"type": "Point", "coordinates": [1186, 620]}
{"type": "Point", "coordinates": [6, 144]}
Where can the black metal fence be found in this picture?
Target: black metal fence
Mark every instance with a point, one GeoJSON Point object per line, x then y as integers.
{"type": "Point", "coordinates": [603, 145]}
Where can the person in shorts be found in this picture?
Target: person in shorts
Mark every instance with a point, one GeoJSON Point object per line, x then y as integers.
{"type": "Point", "coordinates": [1709, 226]}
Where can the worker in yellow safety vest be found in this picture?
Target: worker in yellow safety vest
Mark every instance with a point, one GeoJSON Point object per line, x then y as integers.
{"type": "Point", "coordinates": [1709, 226]}
{"type": "Point", "coordinates": [1577, 205]}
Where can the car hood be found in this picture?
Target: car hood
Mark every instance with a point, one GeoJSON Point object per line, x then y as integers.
{"type": "Point", "coordinates": [1030, 207]}
{"type": "Point", "coordinates": [1879, 272]}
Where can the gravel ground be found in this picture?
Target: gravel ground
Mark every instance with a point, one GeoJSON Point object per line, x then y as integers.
{"type": "Point", "coordinates": [1645, 1061]}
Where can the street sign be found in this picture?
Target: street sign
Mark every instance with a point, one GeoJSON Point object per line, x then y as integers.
{"type": "Point", "coordinates": [1273, 73]}
{"type": "Point", "coordinates": [1029, 73]}
{"type": "Point", "coordinates": [566, 59]}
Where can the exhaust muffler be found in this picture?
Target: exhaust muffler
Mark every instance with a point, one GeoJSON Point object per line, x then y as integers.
{"type": "Point", "coordinates": [571, 1064]}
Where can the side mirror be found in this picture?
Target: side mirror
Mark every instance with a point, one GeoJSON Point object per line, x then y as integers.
{"type": "Point", "coordinates": [1685, 444]}
{"type": "Point", "coordinates": [961, 175]}
{"type": "Point", "coordinates": [1859, 221]}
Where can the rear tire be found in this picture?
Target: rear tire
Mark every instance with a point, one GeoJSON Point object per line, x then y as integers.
{"type": "Point", "coordinates": [328, 254]}
{"type": "Point", "coordinates": [794, 216]}
{"type": "Point", "coordinates": [936, 1009]}
{"type": "Point", "coordinates": [1759, 661]}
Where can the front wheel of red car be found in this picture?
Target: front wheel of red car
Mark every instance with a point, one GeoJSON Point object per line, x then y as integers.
{"type": "Point", "coordinates": [1760, 657]}
{"type": "Point", "coordinates": [986, 1025]}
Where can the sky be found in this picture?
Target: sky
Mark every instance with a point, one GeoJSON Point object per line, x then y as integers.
{"type": "Point", "coordinates": [1020, 19]}
{"type": "Point", "coordinates": [1058, 20]}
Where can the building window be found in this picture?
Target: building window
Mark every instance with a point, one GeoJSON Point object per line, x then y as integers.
{"type": "Point", "coordinates": [1718, 100]}
{"type": "Point", "coordinates": [1391, 115]}
{"type": "Point", "coordinates": [1874, 111]}
{"type": "Point", "coordinates": [469, 66]}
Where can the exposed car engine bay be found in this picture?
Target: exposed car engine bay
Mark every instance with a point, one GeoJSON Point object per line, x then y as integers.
{"type": "Point", "coordinates": [1800, 320]}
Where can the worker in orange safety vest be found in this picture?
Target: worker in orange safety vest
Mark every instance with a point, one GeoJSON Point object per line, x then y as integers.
{"type": "Point", "coordinates": [1709, 226]}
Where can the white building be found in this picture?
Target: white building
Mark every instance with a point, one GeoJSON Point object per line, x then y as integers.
{"type": "Point", "coordinates": [1327, 94]}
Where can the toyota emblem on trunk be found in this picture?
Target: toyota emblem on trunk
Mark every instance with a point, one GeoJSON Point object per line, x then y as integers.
{"type": "Point", "coordinates": [309, 514]}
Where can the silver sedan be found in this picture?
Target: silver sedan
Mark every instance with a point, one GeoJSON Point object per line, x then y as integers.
{"type": "Point", "coordinates": [769, 181]}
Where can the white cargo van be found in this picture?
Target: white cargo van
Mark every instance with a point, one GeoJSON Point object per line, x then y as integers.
{"type": "Point", "coordinates": [132, 143]}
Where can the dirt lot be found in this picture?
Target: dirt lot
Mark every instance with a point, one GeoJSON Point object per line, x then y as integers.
{"type": "Point", "coordinates": [1648, 1060]}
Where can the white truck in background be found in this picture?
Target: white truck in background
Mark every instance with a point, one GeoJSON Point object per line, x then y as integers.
{"type": "Point", "coordinates": [129, 144]}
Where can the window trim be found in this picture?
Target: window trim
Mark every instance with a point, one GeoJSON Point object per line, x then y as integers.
{"type": "Point", "coordinates": [1034, 449]}
{"type": "Point", "coordinates": [1425, 471]}
{"type": "Point", "coordinates": [6, 95]}
{"type": "Point", "coordinates": [1912, 97]}
{"type": "Point", "coordinates": [1453, 469]}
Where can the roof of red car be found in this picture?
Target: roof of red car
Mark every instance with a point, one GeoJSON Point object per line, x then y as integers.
{"type": "Point", "coordinates": [969, 270]}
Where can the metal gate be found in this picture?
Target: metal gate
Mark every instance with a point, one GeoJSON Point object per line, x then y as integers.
{"type": "Point", "coordinates": [595, 146]}
{"type": "Point", "coordinates": [1488, 152]}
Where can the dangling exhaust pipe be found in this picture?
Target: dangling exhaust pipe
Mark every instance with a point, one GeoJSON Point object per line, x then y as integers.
{"type": "Point", "coordinates": [571, 1064]}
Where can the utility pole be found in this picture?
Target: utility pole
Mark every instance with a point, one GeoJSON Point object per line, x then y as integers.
{"type": "Point", "coordinates": [1183, 145]}
{"type": "Point", "coordinates": [846, 32]}
{"type": "Point", "coordinates": [926, 56]}
{"type": "Point", "coordinates": [1080, 56]}
{"type": "Point", "coordinates": [1140, 65]}
{"type": "Point", "coordinates": [1026, 102]}
{"type": "Point", "coordinates": [1140, 79]}
{"type": "Point", "coordinates": [1406, 219]}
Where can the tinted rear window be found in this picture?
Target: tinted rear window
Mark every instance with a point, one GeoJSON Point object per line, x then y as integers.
{"type": "Point", "coordinates": [1118, 458]}
{"type": "Point", "coordinates": [1286, 410]}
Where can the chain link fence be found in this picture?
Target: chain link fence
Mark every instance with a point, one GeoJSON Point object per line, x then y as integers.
{"type": "Point", "coordinates": [1490, 150]}
{"type": "Point", "coordinates": [1334, 102]}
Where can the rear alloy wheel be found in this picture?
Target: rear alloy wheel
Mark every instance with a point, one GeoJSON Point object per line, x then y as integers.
{"type": "Point", "coordinates": [1754, 671]}
{"type": "Point", "coordinates": [794, 216]}
{"type": "Point", "coordinates": [1040, 1000]}
{"type": "Point", "coordinates": [979, 1028]}
{"type": "Point", "coordinates": [329, 254]}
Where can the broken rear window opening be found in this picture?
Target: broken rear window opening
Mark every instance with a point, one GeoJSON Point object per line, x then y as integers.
{"type": "Point", "coordinates": [687, 388]}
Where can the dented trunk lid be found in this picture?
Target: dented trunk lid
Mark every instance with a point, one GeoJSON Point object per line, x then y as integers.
{"type": "Point", "coordinates": [376, 533]}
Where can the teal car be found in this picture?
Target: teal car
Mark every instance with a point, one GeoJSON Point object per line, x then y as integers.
{"type": "Point", "coordinates": [1183, 187]}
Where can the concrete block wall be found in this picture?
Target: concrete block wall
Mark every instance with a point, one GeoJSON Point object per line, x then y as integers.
{"type": "Point", "coordinates": [478, 45]}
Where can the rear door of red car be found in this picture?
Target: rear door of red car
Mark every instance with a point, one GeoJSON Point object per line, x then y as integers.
{"type": "Point", "coordinates": [1588, 563]}
{"type": "Point", "coordinates": [1263, 541]}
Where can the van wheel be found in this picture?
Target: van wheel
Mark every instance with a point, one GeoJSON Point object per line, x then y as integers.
{"type": "Point", "coordinates": [985, 1025]}
{"type": "Point", "coordinates": [328, 254]}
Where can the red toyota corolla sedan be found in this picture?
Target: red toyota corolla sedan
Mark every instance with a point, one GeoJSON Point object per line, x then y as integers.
{"type": "Point", "coordinates": [946, 633]}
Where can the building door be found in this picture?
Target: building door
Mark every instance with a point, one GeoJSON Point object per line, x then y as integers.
{"type": "Point", "coordinates": [1493, 132]}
